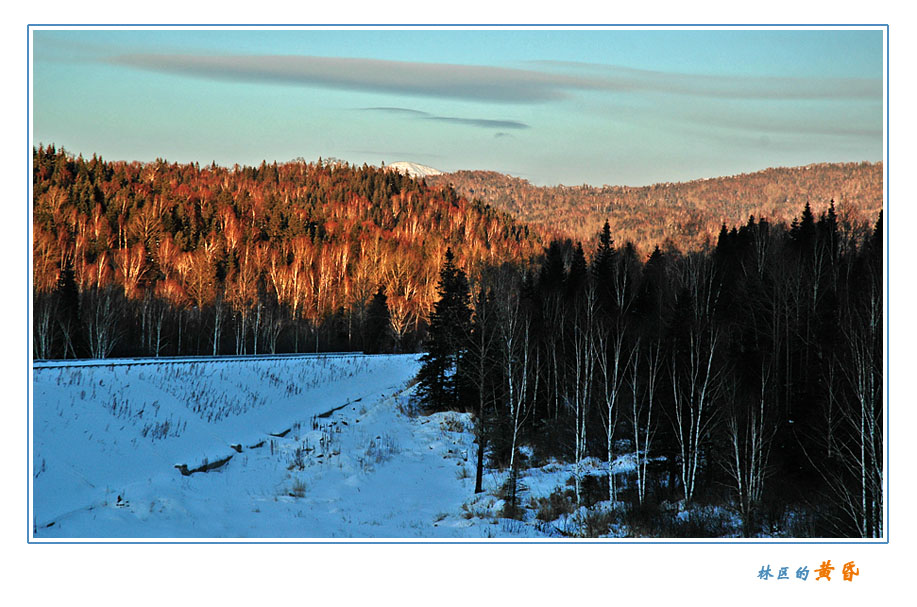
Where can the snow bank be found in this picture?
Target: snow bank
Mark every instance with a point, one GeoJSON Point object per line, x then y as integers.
{"type": "Point", "coordinates": [98, 431]}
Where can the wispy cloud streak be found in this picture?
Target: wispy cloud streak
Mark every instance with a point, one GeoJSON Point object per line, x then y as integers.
{"type": "Point", "coordinates": [553, 80]}
{"type": "Point", "coordinates": [481, 122]}
{"type": "Point", "coordinates": [395, 110]}
{"type": "Point", "coordinates": [721, 87]}
{"type": "Point", "coordinates": [469, 82]}
{"type": "Point", "coordinates": [485, 123]}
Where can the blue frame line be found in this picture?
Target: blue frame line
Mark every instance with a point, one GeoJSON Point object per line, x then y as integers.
{"type": "Point", "coordinates": [723, 542]}
{"type": "Point", "coordinates": [887, 244]}
{"type": "Point", "coordinates": [416, 25]}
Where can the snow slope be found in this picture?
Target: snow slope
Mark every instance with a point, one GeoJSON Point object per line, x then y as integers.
{"type": "Point", "coordinates": [308, 447]}
{"type": "Point", "coordinates": [320, 448]}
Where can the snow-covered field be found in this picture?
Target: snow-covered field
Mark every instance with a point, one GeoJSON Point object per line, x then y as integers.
{"type": "Point", "coordinates": [317, 447]}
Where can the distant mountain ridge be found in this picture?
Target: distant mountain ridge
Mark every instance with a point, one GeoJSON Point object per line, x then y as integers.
{"type": "Point", "coordinates": [686, 214]}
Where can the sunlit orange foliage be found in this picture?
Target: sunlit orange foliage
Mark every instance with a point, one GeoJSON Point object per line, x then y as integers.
{"type": "Point", "coordinates": [686, 214]}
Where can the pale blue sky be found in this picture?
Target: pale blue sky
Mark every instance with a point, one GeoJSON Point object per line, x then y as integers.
{"type": "Point", "coordinates": [618, 107]}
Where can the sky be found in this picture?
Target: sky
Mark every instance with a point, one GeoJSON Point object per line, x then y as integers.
{"type": "Point", "coordinates": [554, 106]}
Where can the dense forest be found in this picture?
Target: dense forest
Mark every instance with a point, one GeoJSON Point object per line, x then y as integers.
{"type": "Point", "coordinates": [743, 368]}
{"type": "Point", "coordinates": [166, 259]}
{"type": "Point", "coordinates": [747, 374]}
{"type": "Point", "coordinates": [686, 215]}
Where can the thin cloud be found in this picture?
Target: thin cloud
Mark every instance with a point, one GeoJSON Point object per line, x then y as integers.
{"type": "Point", "coordinates": [557, 80]}
{"type": "Point", "coordinates": [864, 124]}
{"type": "Point", "coordinates": [862, 121]}
{"type": "Point", "coordinates": [724, 87]}
{"type": "Point", "coordinates": [481, 122]}
{"type": "Point", "coordinates": [395, 110]}
{"type": "Point", "coordinates": [791, 127]}
{"type": "Point", "coordinates": [453, 81]}
{"type": "Point", "coordinates": [485, 123]}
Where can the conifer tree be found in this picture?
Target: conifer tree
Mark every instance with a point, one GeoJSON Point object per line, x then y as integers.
{"type": "Point", "coordinates": [68, 317]}
{"type": "Point", "coordinates": [438, 383]}
{"type": "Point", "coordinates": [378, 325]}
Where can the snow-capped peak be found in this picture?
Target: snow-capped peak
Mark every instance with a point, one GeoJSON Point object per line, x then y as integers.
{"type": "Point", "coordinates": [413, 169]}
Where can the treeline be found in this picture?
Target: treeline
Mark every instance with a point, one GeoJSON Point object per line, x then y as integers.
{"type": "Point", "coordinates": [746, 374]}
{"type": "Point", "coordinates": [173, 259]}
{"type": "Point", "coordinates": [688, 214]}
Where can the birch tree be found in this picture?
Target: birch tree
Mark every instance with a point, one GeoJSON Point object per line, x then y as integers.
{"type": "Point", "coordinates": [612, 363]}
{"type": "Point", "coordinates": [862, 412]}
{"type": "Point", "coordinates": [44, 310]}
{"type": "Point", "coordinates": [515, 333]}
{"type": "Point", "coordinates": [579, 397]}
{"type": "Point", "coordinates": [750, 424]}
{"type": "Point", "coordinates": [693, 376]}
{"type": "Point", "coordinates": [642, 422]}
{"type": "Point", "coordinates": [613, 271]}
{"type": "Point", "coordinates": [101, 316]}
{"type": "Point", "coordinates": [481, 357]}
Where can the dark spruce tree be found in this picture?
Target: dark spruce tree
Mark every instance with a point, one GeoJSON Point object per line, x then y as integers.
{"type": "Point", "coordinates": [378, 338]}
{"type": "Point", "coordinates": [602, 267]}
{"type": "Point", "coordinates": [438, 381]}
{"type": "Point", "coordinates": [69, 313]}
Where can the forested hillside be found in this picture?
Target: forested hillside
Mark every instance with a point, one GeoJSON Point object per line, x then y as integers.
{"type": "Point", "coordinates": [685, 214]}
{"type": "Point", "coordinates": [747, 376]}
{"type": "Point", "coordinates": [163, 258]}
